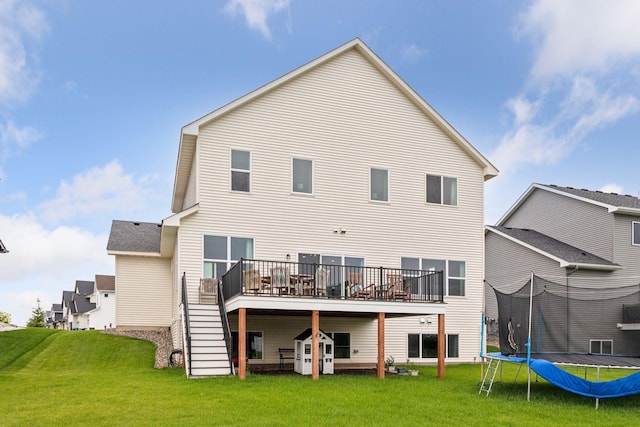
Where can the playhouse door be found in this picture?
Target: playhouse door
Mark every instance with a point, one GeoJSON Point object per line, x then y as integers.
{"type": "Point", "coordinates": [320, 357]}
{"type": "Point", "coordinates": [327, 359]}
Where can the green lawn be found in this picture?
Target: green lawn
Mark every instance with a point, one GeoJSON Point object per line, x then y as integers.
{"type": "Point", "coordinates": [88, 378]}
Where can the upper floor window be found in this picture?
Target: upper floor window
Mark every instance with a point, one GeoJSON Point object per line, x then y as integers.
{"type": "Point", "coordinates": [379, 186]}
{"type": "Point", "coordinates": [221, 251]}
{"type": "Point", "coordinates": [442, 190]}
{"type": "Point", "coordinates": [635, 232]}
{"type": "Point", "coordinates": [302, 176]}
{"type": "Point", "coordinates": [240, 170]}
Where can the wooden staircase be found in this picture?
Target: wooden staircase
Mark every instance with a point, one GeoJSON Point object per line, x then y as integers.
{"type": "Point", "coordinates": [208, 349]}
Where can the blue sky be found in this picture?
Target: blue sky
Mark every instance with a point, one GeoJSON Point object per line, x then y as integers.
{"type": "Point", "coordinates": [93, 96]}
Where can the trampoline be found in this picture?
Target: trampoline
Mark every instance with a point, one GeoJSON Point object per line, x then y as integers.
{"type": "Point", "coordinates": [545, 324]}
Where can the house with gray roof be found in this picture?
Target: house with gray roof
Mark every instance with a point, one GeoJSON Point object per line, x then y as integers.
{"type": "Point", "coordinates": [576, 237]}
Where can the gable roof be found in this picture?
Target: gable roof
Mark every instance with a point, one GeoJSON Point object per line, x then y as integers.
{"type": "Point", "coordinates": [613, 202]}
{"type": "Point", "coordinates": [81, 304]}
{"type": "Point", "coordinates": [3, 249]}
{"type": "Point", "coordinates": [105, 283]}
{"type": "Point", "coordinates": [138, 237]}
{"type": "Point", "coordinates": [189, 133]}
{"type": "Point", "coordinates": [307, 333]}
{"type": "Point", "coordinates": [84, 287]}
{"type": "Point", "coordinates": [67, 296]}
{"type": "Point", "coordinates": [567, 256]}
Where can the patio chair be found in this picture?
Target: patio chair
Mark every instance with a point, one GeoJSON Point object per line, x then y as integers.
{"type": "Point", "coordinates": [208, 291]}
{"type": "Point", "coordinates": [397, 288]}
{"type": "Point", "coordinates": [356, 287]}
{"type": "Point", "coordinates": [252, 281]}
{"type": "Point", "coordinates": [280, 279]}
{"type": "Point", "coordinates": [322, 279]}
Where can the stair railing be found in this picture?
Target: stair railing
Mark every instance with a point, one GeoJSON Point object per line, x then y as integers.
{"type": "Point", "coordinates": [225, 326]}
{"type": "Point", "coordinates": [186, 327]}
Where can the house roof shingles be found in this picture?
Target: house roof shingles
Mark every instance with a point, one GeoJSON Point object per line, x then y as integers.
{"type": "Point", "coordinates": [613, 199]}
{"type": "Point", "coordinates": [129, 236]}
{"type": "Point", "coordinates": [105, 283]}
{"type": "Point", "coordinates": [84, 287]}
{"type": "Point", "coordinates": [554, 247]}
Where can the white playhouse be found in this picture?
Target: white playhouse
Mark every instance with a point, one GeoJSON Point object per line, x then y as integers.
{"type": "Point", "coordinates": [302, 353]}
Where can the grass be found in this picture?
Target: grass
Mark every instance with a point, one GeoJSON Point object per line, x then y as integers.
{"type": "Point", "coordinates": [81, 378]}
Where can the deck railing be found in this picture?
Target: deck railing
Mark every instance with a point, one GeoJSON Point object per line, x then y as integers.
{"type": "Point", "coordinates": [304, 280]}
{"type": "Point", "coordinates": [225, 327]}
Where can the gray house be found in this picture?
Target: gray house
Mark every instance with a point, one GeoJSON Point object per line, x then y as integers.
{"type": "Point", "coordinates": [574, 239]}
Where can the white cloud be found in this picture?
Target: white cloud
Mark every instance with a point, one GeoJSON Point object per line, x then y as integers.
{"type": "Point", "coordinates": [103, 190]}
{"type": "Point", "coordinates": [578, 83]}
{"type": "Point", "coordinates": [20, 22]}
{"type": "Point", "coordinates": [581, 35]}
{"type": "Point", "coordinates": [412, 53]}
{"type": "Point", "coordinates": [612, 188]}
{"type": "Point", "coordinates": [257, 12]}
{"type": "Point", "coordinates": [12, 136]}
{"type": "Point", "coordinates": [42, 263]}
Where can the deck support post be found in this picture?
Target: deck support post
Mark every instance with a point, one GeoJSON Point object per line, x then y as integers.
{"type": "Point", "coordinates": [315, 342]}
{"type": "Point", "coordinates": [242, 343]}
{"type": "Point", "coordinates": [381, 345]}
{"type": "Point", "coordinates": [441, 346]}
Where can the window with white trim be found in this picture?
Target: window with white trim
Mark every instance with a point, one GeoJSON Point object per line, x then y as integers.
{"type": "Point", "coordinates": [302, 176]}
{"type": "Point", "coordinates": [425, 346]}
{"type": "Point", "coordinates": [240, 170]}
{"type": "Point", "coordinates": [442, 190]}
{"type": "Point", "coordinates": [635, 233]}
{"type": "Point", "coordinates": [341, 344]}
{"type": "Point", "coordinates": [454, 272]}
{"type": "Point", "coordinates": [601, 346]}
{"type": "Point", "coordinates": [379, 185]}
{"type": "Point", "coordinates": [220, 252]}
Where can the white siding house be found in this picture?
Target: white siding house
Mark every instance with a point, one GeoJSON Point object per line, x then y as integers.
{"type": "Point", "coordinates": [339, 161]}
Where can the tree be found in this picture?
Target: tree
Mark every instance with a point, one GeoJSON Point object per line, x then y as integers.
{"type": "Point", "coordinates": [5, 317]}
{"type": "Point", "coordinates": [37, 317]}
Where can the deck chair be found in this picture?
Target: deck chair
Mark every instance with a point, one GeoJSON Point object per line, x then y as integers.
{"type": "Point", "coordinates": [280, 279]}
{"type": "Point", "coordinates": [356, 288]}
{"type": "Point", "coordinates": [252, 281]}
{"type": "Point", "coordinates": [322, 279]}
{"type": "Point", "coordinates": [397, 289]}
{"type": "Point", "coordinates": [208, 290]}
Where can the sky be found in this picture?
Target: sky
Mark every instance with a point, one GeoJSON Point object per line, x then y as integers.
{"type": "Point", "coordinates": [93, 95]}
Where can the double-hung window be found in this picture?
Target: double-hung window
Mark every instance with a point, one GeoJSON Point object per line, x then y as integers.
{"type": "Point", "coordinates": [240, 170]}
{"type": "Point", "coordinates": [442, 190]}
{"type": "Point", "coordinates": [379, 185]}
{"type": "Point", "coordinates": [454, 272]}
{"type": "Point", "coordinates": [302, 176]}
{"type": "Point", "coordinates": [220, 252]}
{"type": "Point", "coordinates": [635, 233]}
{"type": "Point", "coordinates": [342, 344]}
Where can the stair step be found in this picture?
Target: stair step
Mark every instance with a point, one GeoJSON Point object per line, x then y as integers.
{"type": "Point", "coordinates": [209, 348]}
{"type": "Point", "coordinates": [200, 364]}
{"type": "Point", "coordinates": [201, 316]}
{"type": "Point", "coordinates": [210, 358]}
{"type": "Point", "coordinates": [209, 372]}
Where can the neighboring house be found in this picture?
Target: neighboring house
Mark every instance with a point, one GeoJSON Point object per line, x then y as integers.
{"type": "Point", "coordinates": [103, 296]}
{"type": "Point", "coordinates": [55, 317]}
{"type": "Point", "coordinates": [3, 249]}
{"type": "Point", "coordinates": [67, 298]}
{"type": "Point", "coordinates": [573, 237]}
{"type": "Point", "coordinates": [80, 306]}
{"type": "Point", "coordinates": [318, 178]}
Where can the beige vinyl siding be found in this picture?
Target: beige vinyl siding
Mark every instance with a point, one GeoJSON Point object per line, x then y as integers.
{"type": "Point", "coordinates": [580, 224]}
{"type": "Point", "coordinates": [346, 117]}
{"type": "Point", "coordinates": [143, 291]}
{"type": "Point", "coordinates": [191, 197]}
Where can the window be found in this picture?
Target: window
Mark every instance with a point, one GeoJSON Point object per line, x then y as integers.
{"type": "Point", "coordinates": [222, 251]}
{"type": "Point", "coordinates": [334, 263]}
{"type": "Point", "coordinates": [106, 295]}
{"type": "Point", "coordinates": [302, 178]}
{"type": "Point", "coordinates": [253, 345]}
{"type": "Point", "coordinates": [456, 278]}
{"type": "Point", "coordinates": [635, 232]}
{"type": "Point", "coordinates": [425, 346]}
{"type": "Point", "coordinates": [442, 190]}
{"type": "Point", "coordinates": [601, 346]}
{"type": "Point", "coordinates": [240, 170]}
{"type": "Point", "coordinates": [379, 185]}
{"type": "Point", "coordinates": [454, 272]}
{"type": "Point", "coordinates": [342, 345]}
